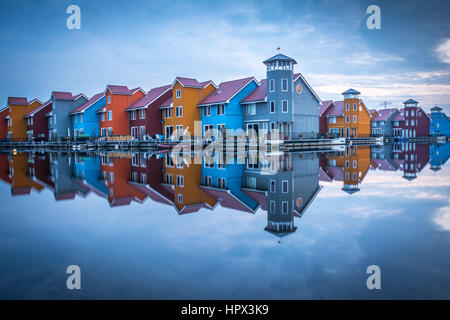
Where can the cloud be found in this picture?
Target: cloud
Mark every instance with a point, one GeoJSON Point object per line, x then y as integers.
{"type": "Point", "coordinates": [443, 51]}
{"type": "Point", "coordinates": [442, 218]}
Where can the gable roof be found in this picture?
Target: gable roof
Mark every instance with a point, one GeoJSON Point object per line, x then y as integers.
{"type": "Point", "coordinates": [33, 112]}
{"type": "Point", "coordinates": [337, 110]}
{"type": "Point", "coordinates": [149, 98]}
{"type": "Point", "coordinates": [4, 109]}
{"type": "Point", "coordinates": [88, 103]}
{"type": "Point", "coordinates": [259, 94]}
{"type": "Point", "coordinates": [17, 101]}
{"type": "Point", "coordinates": [400, 115]}
{"type": "Point", "coordinates": [384, 114]}
{"type": "Point", "coordinates": [278, 57]}
{"type": "Point", "coordinates": [228, 200]}
{"type": "Point", "coordinates": [299, 75]}
{"type": "Point", "coordinates": [324, 106]}
{"type": "Point", "coordinates": [62, 95]}
{"type": "Point", "coordinates": [192, 83]}
{"type": "Point", "coordinates": [226, 91]}
{"type": "Point", "coordinates": [167, 103]}
{"type": "Point", "coordinates": [116, 89]}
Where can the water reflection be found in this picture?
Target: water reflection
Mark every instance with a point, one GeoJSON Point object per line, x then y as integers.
{"type": "Point", "coordinates": [284, 193]}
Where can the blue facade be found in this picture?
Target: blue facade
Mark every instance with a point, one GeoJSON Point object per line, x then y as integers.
{"type": "Point", "coordinates": [439, 154]}
{"type": "Point", "coordinates": [440, 123]}
{"type": "Point", "coordinates": [232, 117]}
{"type": "Point", "coordinates": [87, 122]}
{"type": "Point", "coordinates": [60, 122]}
{"type": "Point", "coordinates": [88, 170]}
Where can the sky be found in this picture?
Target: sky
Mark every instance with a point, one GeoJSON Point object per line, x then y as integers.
{"type": "Point", "coordinates": [149, 43]}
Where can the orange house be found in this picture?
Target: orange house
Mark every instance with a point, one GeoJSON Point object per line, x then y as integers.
{"type": "Point", "coordinates": [113, 116]}
{"type": "Point", "coordinates": [18, 108]}
{"type": "Point", "coordinates": [185, 181]}
{"type": "Point", "coordinates": [180, 112]}
{"type": "Point", "coordinates": [21, 182]}
{"type": "Point", "coordinates": [356, 115]}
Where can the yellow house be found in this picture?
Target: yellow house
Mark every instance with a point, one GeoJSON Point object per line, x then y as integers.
{"type": "Point", "coordinates": [18, 108]}
{"type": "Point", "coordinates": [180, 112]}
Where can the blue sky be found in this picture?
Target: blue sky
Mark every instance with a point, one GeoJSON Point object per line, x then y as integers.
{"type": "Point", "coordinates": [149, 43]}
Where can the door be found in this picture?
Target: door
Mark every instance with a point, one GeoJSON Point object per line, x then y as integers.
{"type": "Point", "coordinates": [169, 132]}
{"type": "Point", "coordinates": [252, 132]}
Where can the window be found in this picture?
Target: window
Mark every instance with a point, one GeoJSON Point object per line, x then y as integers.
{"type": "Point", "coordinates": [251, 182]}
{"type": "Point", "coordinates": [109, 115]}
{"type": "Point", "coordinates": [180, 181]}
{"type": "Point", "coordinates": [168, 113]}
{"type": "Point", "coordinates": [180, 198]}
{"type": "Point", "coordinates": [143, 178]}
{"type": "Point", "coordinates": [221, 109]}
{"type": "Point", "coordinates": [179, 111]}
{"type": "Point", "coordinates": [133, 115]}
{"type": "Point", "coordinates": [103, 131]}
{"type": "Point", "coordinates": [110, 132]}
{"type": "Point", "coordinates": [406, 122]}
{"type": "Point", "coordinates": [169, 179]}
{"type": "Point", "coordinates": [354, 176]}
{"type": "Point", "coordinates": [142, 114]}
{"type": "Point", "coordinates": [332, 120]}
{"type": "Point", "coordinates": [272, 126]}
{"type": "Point", "coordinates": [347, 119]}
{"type": "Point", "coordinates": [412, 122]}
{"type": "Point", "coordinates": [272, 186]}
{"type": "Point", "coordinates": [355, 119]}
{"type": "Point", "coordinates": [75, 119]}
{"type": "Point", "coordinates": [81, 118]}
{"type": "Point", "coordinates": [347, 164]}
{"type": "Point", "coordinates": [178, 93]}
{"type": "Point", "coordinates": [284, 85]}
{"type": "Point", "coordinates": [109, 99]}
{"type": "Point", "coordinates": [347, 107]}
{"type": "Point", "coordinates": [250, 108]}
{"type": "Point", "coordinates": [179, 130]}
{"type": "Point", "coordinates": [272, 85]}
{"type": "Point", "coordinates": [142, 160]}
{"type": "Point", "coordinates": [354, 107]}
{"type": "Point", "coordinates": [208, 181]}
{"type": "Point", "coordinates": [102, 116]}
{"type": "Point", "coordinates": [284, 207]}
{"type": "Point", "coordinates": [272, 206]}
{"type": "Point", "coordinates": [221, 183]}
{"type": "Point", "coordinates": [272, 106]}
{"type": "Point", "coordinates": [406, 113]}
{"type": "Point", "coordinates": [207, 111]}
{"type": "Point", "coordinates": [111, 177]}
{"type": "Point", "coordinates": [285, 186]}
{"type": "Point", "coordinates": [142, 131]}
{"type": "Point", "coordinates": [134, 160]}
{"type": "Point", "coordinates": [284, 105]}
{"type": "Point", "coordinates": [355, 164]}
{"type": "Point", "coordinates": [347, 176]}
{"type": "Point", "coordinates": [412, 113]}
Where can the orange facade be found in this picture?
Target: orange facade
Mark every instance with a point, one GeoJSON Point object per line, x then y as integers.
{"type": "Point", "coordinates": [356, 118]}
{"type": "Point", "coordinates": [340, 125]}
{"type": "Point", "coordinates": [17, 126]}
{"type": "Point", "coordinates": [22, 183]}
{"type": "Point", "coordinates": [116, 120]}
{"type": "Point", "coordinates": [4, 123]}
{"type": "Point", "coordinates": [187, 101]}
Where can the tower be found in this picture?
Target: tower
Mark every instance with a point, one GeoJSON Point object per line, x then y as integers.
{"type": "Point", "coordinates": [410, 118]}
{"type": "Point", "coordinates": [351, 112]}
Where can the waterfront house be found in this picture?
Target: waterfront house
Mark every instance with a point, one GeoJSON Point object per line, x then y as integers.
{"type": "Point", "coordinates": [86, 172]}
{"type": "Point", "coordinates": [284, 101]}
{"type": "Point", "coordinates": [221, 109]}
{"type": "Point", "coordinates": [381, 122]}
{"type": "Point", "coordinates": [439, 154]}
{"type": "Point", "coordinates": [18, 109]}
{"type": "Point", "coordinates": [113, 116]}
{"type": "Point", "coordinates": [415, 158]}
{"type": "Point", "coordinates": [4, 122]}
{"type": "Point", "coordinates": [356, 115]}
{"type": "Point", "coordinates": [417, 122]}
{"type": "Point", "coordinates": [332, 121]}
{"type": "Point", "coordinates": [85, 120]}
{"type": "Point", "coordinates": [21, 181]}
{"type": "Point", "coordinates": [37, 123]}
{"type": "Point", "coordinates": [180, 114]}
{"type": "Point", "coordinates": [440, 123]}
{"type": "Point", "coordinates": [145, 115]}
{"type": "Point", "coordinates": [59, 118]}
{"type": "Point", "coordinates": [397, 123]}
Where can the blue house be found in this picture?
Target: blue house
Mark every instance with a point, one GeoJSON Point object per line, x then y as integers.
{"type": "Point", "coordinates": [439, 154]}
{"type": "Point", "coordinates": [85, 120]}
{"type": "Point", "coordinates": [440, 123]}
{"type": "Point", "coordinates": [221, 109]}
{"type": "Point", "coordinates": [87, 170]}
{"type": "Point", "coordinates": [285, 101]}
{"type": "Point", "coordinates": [223, 183]}
{"type": "Point", "coordinates": [59, 119]}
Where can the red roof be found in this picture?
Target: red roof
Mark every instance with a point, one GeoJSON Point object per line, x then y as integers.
{"type": "Point", "coordinates": [59, 95]}
{"type": "Point", "coordinates": [227, 199]}
{"type": "Point", "coordinates": [384, 114]}
{"type": "Point", "coordinates": [225, 91]}
{"type": "Point", "coordinates": [192, 83]}
{"type": "Point", "coordinates": [32, 113]}
{"type": "Point", "coordinates": [115, 89]}
{"type": "Point", "coordinates": [89, 103]}
{"type": "Point", "coordinates": [382, 164]}
{"type": "Point", "coordinates": [18, 101]}
{"type": "Point", "coordinates": [337, 110]}
{"type": "Point", "coordinates": [400, 116]}
{"type": "Point", "coordinates": [149, 98]}
{"type": "Point", "coordinates": [259, 196]}
{"type": "Point", "coordinates": [324, 106]}
{"type": "Point", "coordinates": [337, 173]}
{"type": "Point", "coordinates": [167, 103]}
{"type": "Point", "coordinates": [259, 94]}
{"type": "Point", "coordinates": [323, 176]}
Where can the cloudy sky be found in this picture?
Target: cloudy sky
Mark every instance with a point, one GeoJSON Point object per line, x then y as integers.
{"type": "Point", "coordinates": [149, 43]}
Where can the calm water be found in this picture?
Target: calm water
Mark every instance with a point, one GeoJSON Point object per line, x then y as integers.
{"type": "Point", "coordinates": [306, 225]}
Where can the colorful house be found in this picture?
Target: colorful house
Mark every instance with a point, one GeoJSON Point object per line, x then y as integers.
{"type": "Point", "coordinates": [440, 122]}
{"type": "Point", "coordinates": [37, 123]}
{"type": "Point", "coordinates": [85, 120]}
{"type": "Point", "coordinates": [356, 115]}
{"type": "Point", "coordinates": [145, 115]}
{"type": "Point", "coordinates": [21, 181]}
{"type": "Point", "coordinates": [332, 121]}
{"type": "Point", "coordinates": [417, 122]}
{"type": "Point", "coordinates": [415, 158]}
{"type": "Point", "coordinates": [221, 109]}
{"type": "Point", "coordinates": [18, 109]}
{"type": "Point", "coordinates": [381, 122]}
{"type": "Point", "coordinates": [397, 123]}
{"type": "Point", "coordinates": [86, 172]}
{"type": "Point", "coordinates": [285, 101]}
{"type": "Point", "coordinates": [113, 116]}
{"type": "Point", "coordinates": [4, 122]}
{"type": "Point", "coordinates": [180, 112]}
{"type": "Point", "coordinates": [59, 118]}
{"type": "Point", "coordinates": [439, 154]}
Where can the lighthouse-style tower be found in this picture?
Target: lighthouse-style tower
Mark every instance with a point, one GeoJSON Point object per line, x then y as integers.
{"type": "Point", "coordinates": [280, 70]}
{"type": "Point", "coordinates": [351, 112]}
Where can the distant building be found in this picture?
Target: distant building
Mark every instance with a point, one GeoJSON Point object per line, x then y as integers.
{"type": "Point", "coordinates": [440, 123]}
{"type": "Point", "coordinates": [4, 122]}
{"type": "Point", "coordinates": [381, 122]}
{"type": "Point", "coordinates": [417, 122]}
{"type": "Point", "coordinates": [18, 109]}
{"type": "Point", "coordinates": [356, 115]}
{"type": "Point", "coordinates": [85, 120]}
{"type": "Point", "coordinates": [439, 154]}
{"type": "Point", "coordinates": [37, 123]}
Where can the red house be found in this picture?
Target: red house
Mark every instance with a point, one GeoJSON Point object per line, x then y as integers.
{"type": "Point", "coordinates": [145, 115]}
{"type": "Point", "coordinates": [417, 122]}
{"type": "Point", "coordinates": [4, 123]}
{"type": "Point", "coordinates": [37, 123]}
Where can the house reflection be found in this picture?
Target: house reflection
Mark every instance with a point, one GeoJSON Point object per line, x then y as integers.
{"type": "Point", "coordinates": [439, 154]}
